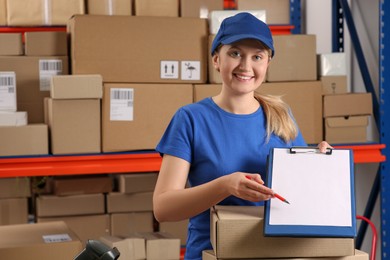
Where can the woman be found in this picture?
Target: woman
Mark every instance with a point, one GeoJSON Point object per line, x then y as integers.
{"type": "Point", "coordinates": [220, 144]}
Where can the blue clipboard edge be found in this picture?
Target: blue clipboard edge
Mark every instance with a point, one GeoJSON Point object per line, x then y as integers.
{"type": "Point", "coordinates": [306, 230]}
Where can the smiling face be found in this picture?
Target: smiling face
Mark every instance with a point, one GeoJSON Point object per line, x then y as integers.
{"type": "Point", "coordinates": [243, 65]}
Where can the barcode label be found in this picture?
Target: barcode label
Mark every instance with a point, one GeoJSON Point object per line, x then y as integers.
{"type": "Point", "coordinates": [121, 104]}
{"type": "Point", "coordinates": [56, 238]}
{"type": "Point", "coordinates": [48, 69]}
{"type": "Point", "coordinates": [7, 81]}
{"type": "Point", "coordinates": [50, 65]}
{"type": "Point", "coordinates": [122, 94]}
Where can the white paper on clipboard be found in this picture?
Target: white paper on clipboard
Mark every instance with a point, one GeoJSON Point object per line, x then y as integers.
{"type": "Point", "coordinates": [318, 186]}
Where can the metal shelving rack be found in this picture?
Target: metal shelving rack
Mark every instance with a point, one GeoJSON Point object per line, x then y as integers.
{"type": "Point", "coordinates": [341, 13]}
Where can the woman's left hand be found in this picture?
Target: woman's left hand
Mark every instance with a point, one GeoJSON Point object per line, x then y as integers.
{"type": "Point", "coordinates": [323, 146]}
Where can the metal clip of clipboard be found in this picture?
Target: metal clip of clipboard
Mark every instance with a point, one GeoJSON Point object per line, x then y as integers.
{"type": "Point", "coordinates": [294, 150]}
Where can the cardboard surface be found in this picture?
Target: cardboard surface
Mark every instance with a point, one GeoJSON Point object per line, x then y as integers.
{"type": "Point", "coordinates": [137, 182]}
{"type": "Point", "coordinates": [24, 140]}
{"type": "Point", "coordinates": [3, 12]}
{"type": "Point", "coordinates": [74, 126]}
{"type": "Point", "coordinates": [359, 255]}
{"type": "Point", "coordinates": [33, 75]}
{"type": "Point", "coordinates": [13, 118]}
{"type": "Point", "coordinates": [38, 241]}
{"type": "Point", "coordinates": [129, 248]}
{"type": "Point", "coordinates": [112, 7]}
{"type": "Point", "coordinates": [11, 43]}
{"type": "Point", "coordinates": [166, 8]}
{"type": "Point", "coordinates": [138, 121]}
{"type": "Point", "coordinates": [199, 8]}
{"type": "Point", "coordinates": [135, 202]}
{"type": "Point", "coordinates": [15, 187]}
{"type": "Point", "coordinates": [351, 129]}
{"type": "Point", "coordinates": [8, 91]}
{"type": "Point", "coordinates": [277, 12]}
{"type": "Point", "coordinates": [13, 211]}
{"type": "Point", "coordinates": [178, 229]}
{"type": "Point", "coordinates": [76, 87]}
{"type": "Point", "coordinates": [161, 246]}
{"type": "Point", "coordinates": [334, 84]}
{"type": "Point", "coordinates": [46, 44]}
{"type": "Point", "coordinates": [85, 227]}
{"type": "Point", "coordinates": [75, 185]}
{"type": "Point", "coordinates": [54, 206]}
{"type": "Point", "coordinates": [125, 224]}
{"type": "Point", "coordinates": [295, 58]}
{"type": "Point", "coordinates": [36, 12]}
{"type": "Point", "coordinates": [237, 231]}
{"type": "Point", "coordinates": [118, 48]}
{"type": "Point", "coordinates": [350, 104]}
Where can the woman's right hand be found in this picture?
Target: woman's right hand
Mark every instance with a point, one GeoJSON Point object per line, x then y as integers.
{"type": "Point", "coordinates": [248, 186]}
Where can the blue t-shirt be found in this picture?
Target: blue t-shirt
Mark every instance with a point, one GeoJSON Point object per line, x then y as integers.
{"type": "Point", "coordinates": [217, 143]}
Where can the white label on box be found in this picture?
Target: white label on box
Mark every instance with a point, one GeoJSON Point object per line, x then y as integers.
{"type": "Point", "coordinates": [122, 104]}
{"type": "Point", "coordinates": [8, 91]}
{"type": "Point", "coordinates": [169, 69]}
{"type": "Point", "coordinates": [56, 238]}
{"type": "Point", "coordinates": [190, 70]}
{"type": "Point", "coordinates": [48, 69]}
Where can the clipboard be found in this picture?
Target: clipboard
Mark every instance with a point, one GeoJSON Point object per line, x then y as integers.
{"type": "Point", "coordinates": [320, 189]}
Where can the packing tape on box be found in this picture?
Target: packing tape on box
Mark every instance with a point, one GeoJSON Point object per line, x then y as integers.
{"type": "Point", "coordinates": [46, 12]}
{"type": "Point", "coordinates": [110, 7]}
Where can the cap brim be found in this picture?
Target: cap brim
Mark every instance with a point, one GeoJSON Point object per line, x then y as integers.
{"type": "Point", "coordinates": [236, 38]}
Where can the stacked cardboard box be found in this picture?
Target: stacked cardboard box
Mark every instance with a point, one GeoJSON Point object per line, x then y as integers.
{"type": "Point", "coordinates": [14, 195]}
{"type": "Point", "coordinates": [237, 233]}
{"type": "Point", "coordinates": [131, 208]}
{"type": "Point", "coordinates": [112, 7]}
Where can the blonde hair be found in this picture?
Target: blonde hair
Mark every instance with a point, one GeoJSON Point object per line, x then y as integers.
{"type": "Point", "coordinates": [279, 120]}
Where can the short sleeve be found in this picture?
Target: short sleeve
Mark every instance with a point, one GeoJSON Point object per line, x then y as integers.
{"type": "Point", "coordinates": [177, 139]}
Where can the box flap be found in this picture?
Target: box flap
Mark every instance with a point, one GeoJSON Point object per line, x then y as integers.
{"type": "Point", "coordinates": [351, 121]}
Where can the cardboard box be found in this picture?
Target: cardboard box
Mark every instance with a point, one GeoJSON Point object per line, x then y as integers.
{"type": "Point", "coordinates": [161, 246]}
{"type": "Point", "coordinates": [54, 206]}
{"type": "Point", "coordinates": [135, 202]}
{"type": "Point", "coordinates": [39, 241]}
{"type": "Point", "coordinates": [137, 182]}
{"type": "Point", "coordinates": [125, 224]}
{"type": "Point", "coordinates": [74, 126]}
{"type": "Point", "coordinates": [24, 140]}
{"type": "Point", "coordinates": [33, 80]}
{"type": "Point", "coordinates": [167, 8]}
{"type": "Point", "coordinates": [129, 248]}
{"type": "Point", "coordinates": [277, 12]}
{"type": "Point", "coordinates": [15, 187]}
{"type": "Point", "coordinates": [202, 91]}
{"type": "Point", "coordinates": [135, 116]}
{"type": "Point", "coordinates": [178, 229]}
{"type": "Point", "coordinates": [13, 118]}
{"type": "Point", "coordinates": [237, 232]}
{"type": "Point", "coordinates": [350, 104]}
{"type": "Point", "coordinates": [334, 84]}
{"type": "Point", "coordinates": [46, 44]}
{"type": "Point", "coordinates": [112, 7]}
{"type": "Point", "coordinates": [101, 44]}
{"type": "Point", "coordinates": [199, 8]}
{"type": "Point", "coordinates": [85, 227]}
{"type": "Point", "coordinates": [216, 17]}
{"type": "Point", "coordinates": [11, 43]}
{"type": "Point", "coordinates": [332, 64]}
{"type": "Point", "coordinates": [3, 13]}
{"type": "Point", "coordinates": [214, 75]}
{"type": "Point", "coordinates": [75, 185]}
{"type": "Point", "coordinates": [304, 99]}
{"type": "Point", "coordinates": [76, 87]}
{"type": "Point", "coordinates": [351, 129]}
{"type": "Point", "coordinates": [295, 58]}
{"type": "Point", "coordinates": [359, 255]}
{"type": "Point", "coordinates": [8, 91]}
{"type": "Point", "coordinates": [13, 211]}
{"type": "Point", "coordinates": [37, 12]}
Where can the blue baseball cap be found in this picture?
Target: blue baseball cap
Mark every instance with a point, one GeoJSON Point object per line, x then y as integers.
{"type": "Point", "coordinates": [242, 26]}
